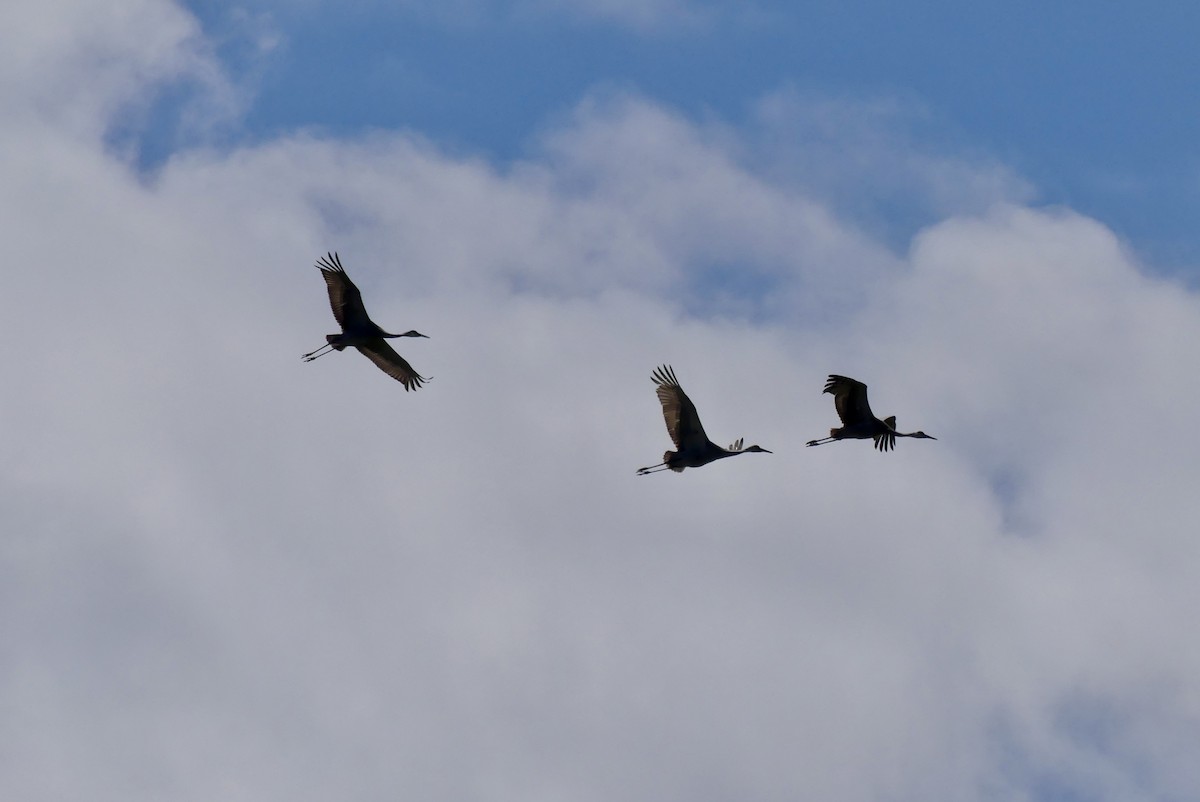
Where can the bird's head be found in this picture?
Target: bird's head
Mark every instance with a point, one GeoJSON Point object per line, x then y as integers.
{"type": "Point", "coordinates": [759, 449]}
{"type": "Point", "coordinates": [922, 436]}
{"type": "Point", "coordinates": [413, 333]}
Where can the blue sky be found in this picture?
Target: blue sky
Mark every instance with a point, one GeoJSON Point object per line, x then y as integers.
{"type": "Point", "coordinates": [1093, 103]}
{"type": "Point", "coordinates": [229, 574]}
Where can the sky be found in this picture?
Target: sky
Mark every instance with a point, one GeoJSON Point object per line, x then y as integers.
{"type": "Point", "coordinates": [228, 574]}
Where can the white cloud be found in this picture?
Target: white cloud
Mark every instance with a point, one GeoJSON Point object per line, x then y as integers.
{"type": "Point", "coordinates": [78, 64]}
{"type": "Point", "coordinates": [228, 574]}
{"type": "Point", "coordinates": [890, 163]}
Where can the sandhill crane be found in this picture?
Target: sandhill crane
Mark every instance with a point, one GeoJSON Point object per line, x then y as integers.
{"type": "Point", "coordinates": [858, 422]}
{"type": "Point", "coordinates": [683, 424]}
{"type": "Point", "coordinates": [358, 329]}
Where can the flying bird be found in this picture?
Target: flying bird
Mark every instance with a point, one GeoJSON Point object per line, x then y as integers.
{"type": "Point", "coordinates": [358, 329]}
{"type": "Point", "coordinates": [683, 424]}
{"type": "Point", "coordinates": [858, 422]}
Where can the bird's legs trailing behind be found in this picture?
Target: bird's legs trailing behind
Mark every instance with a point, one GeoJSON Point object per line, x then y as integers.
{"type": "Point", "coordinates": [665, 465]}
{"type": "Point", "coordinates": [822, 441]}
{"type": "Point", "coordinates": [332, 345]}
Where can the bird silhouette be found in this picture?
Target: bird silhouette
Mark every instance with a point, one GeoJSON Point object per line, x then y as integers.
{"type": "Point", "coordinates": [858, 422]}
{"type": "Point", "coordinates": [683, 424]}
{"type": "Point", "coordinates": [358, 329]}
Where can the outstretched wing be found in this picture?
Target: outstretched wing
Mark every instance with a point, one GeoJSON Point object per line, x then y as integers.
{"type": "Point", "coordinates": [850, 399]}
{"type": "Point", "coordinates": [683, 424]}
{"type": "Point", "coordinates": [886, 441]}
{"type": "Point", "coordinates": [391, 363]}
{"type": "Point", "coordinates": [344, 298]}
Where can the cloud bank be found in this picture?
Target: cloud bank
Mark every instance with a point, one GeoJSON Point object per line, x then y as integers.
{"type": "Point", "coordinates": [228, 574]}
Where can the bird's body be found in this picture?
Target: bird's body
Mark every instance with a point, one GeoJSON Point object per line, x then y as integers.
{"type": "Point", "coordinates": [358, 330]}
{"type": "Point", "coordinates": [858, 422]}
{"type": "Point", "coordinates": [683, 424]}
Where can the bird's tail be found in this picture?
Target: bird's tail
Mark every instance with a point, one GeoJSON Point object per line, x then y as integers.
{"type": "Point", "coordinates": [335, 341]}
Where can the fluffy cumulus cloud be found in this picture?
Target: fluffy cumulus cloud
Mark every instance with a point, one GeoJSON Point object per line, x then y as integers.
{"type": "Point", "coordinates": [226, 574]}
